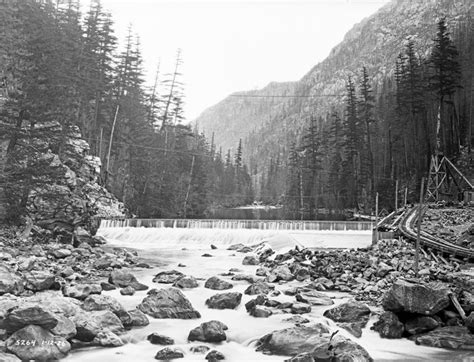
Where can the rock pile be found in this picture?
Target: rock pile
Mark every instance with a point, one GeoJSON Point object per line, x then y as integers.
{"type": "Point", "coordinates": [366, 273]}
{"type": "Point", "coordinates": [453, 224]}
{"type": "Point", "coordinates": [425, 313]}
{"type": "Point", "coordinates": [52, 294]}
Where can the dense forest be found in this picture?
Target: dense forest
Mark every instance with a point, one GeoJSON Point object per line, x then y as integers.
{"type": "Point", "coordinates": [62, 72]}
{"type": "Point", "coordinates": [384, 133]}
{"type": "Point", "coordinates": [64, 76]}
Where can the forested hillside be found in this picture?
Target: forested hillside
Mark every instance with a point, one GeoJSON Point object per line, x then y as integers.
{"type": "Point", "coordinates": [76, 114]}
{"type": "Point", "coordinates": [397, 90]}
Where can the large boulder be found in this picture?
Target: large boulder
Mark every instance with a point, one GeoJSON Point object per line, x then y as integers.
{"type": "Point", "coordinates": [29, 314]}
{"type": "Point", "coordinates": [259, 288]}
{"type": "Point", "coordinates": [250, 260]}
{"type": "Point", "coordinates": [260, 311]}
{"type": "Point", "coordinates": [36, 343]}
{"type": "Point", "coordinates": [281, 272]}
{"type": "Point", "coordinates": [212, 331]}
{"type": "Point", "coordinates": [349, 312]}
{"type": "Point", "coordinates": [224, 301]}
{"type": "Point", "coordinates": [156, 338]}
{"type": "Point", "coordinates": [107, 339]}
{"type": "Point", "coordinates": [102, 302]}
{"type": "Point", "coordinates": [341, 349]}
{"type": "Point", "coordinates": [81, 291]}
{"type": "Point", "coordinates": [138, 318]}
{"type": "Point", "coordinates": [89, 324]}
{"type": "Point", "coordinates": [313, 297]}
{"type": "Point", "coordinates": [389, 326]}
{"type": "Point", "coordinates": [455, 337]}
{"type": "Point", "coordinates": [7, 302]}
{"type": "Point", "coordinates": [65, 327]}
{"type": "Point", "coordinates": [215, 356]}
{"type": "Point", "coordinates": [167, 354]}
{"type": "Point", "coordinates": [300, 308]}
{"type": "Point", "coordinates": [352, 316]}
{"type": "Point", "coordinates": [294, 340]}
{"type": "Point", "coordinates": [168, 277]}
{"type": "Point", "coordinates": [186, 282]}
{"type": "Point", "coordinates": [10, 282]}
{"type": "Point", "coordinates": [217, 284]}
{"type": "Point", "coordinates": [61, 253]}
{"type": "Point", "coordinates": [421, 324]}
{"type": "Point", "coordinates": [168, 303]}
{"type": "Point", "coordinates": [37, 280]}
{"type": "Point", "coordinates": [123, 279]}
{"type": "Point", "coordinates": [56, 302]}
{"type": "Point", "coordinates": [419, 298]}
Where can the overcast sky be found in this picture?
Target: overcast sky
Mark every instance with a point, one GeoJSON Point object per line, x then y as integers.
{"type": "Point", "coordinates": [234, 45]}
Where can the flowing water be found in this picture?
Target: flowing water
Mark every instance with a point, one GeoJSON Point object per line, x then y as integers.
{"type": "Point", "coordinates": [167, 247]}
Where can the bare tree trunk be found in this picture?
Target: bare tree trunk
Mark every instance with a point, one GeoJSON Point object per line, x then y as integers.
{"type": "Point", "coordinates": [189, 187]}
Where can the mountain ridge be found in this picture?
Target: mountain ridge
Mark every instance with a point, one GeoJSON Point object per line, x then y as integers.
{"type": "Point", "coordinates": [375, 42]}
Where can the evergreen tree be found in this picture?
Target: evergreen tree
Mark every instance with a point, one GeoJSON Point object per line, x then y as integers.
{"type": "Point", "coordinates": [366, 112]}
{"type": "Point", "coordinates": [444, 81]}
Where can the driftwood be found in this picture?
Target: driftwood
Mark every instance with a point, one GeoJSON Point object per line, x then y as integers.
{"type": "Point", "coordinates": [443, 259]}
{"type": "Point", "coordinates": [458, 307]}
{"type": "Point", "coordinates": [425, 254]}
{"type": "Point", "coordinates": [434, 257]}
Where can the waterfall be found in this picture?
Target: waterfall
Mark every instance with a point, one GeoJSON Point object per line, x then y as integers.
{"type": "Point", "coordinates": [294, 225]}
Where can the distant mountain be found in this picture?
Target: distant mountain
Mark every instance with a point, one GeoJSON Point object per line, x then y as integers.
{"type": "Point", "coordinates": [242, 112]}
{"type": "Point", "coordinates": [266, 119]}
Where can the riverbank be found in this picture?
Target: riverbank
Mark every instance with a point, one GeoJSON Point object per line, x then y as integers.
{"type": "Point", "coordinates": [283, 290]}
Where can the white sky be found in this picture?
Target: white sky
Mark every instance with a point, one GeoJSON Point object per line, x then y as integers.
{"type": "Point", "coordinates": [234, 45]}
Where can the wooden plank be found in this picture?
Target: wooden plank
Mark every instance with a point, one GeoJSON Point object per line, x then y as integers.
{"type": "Point", "coordinates": [434, 257]}
{"type": "Point", "coordinates": [443, 259]}
{"type": "Point", "coordinates": [424, 253]}
{"type": "Point", "coordinates": [458, 307]}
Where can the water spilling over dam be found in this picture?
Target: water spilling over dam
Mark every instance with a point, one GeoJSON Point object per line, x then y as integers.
{"type": "Point", "coordinates": [241, 224]}
{"type": "Point", "coordinates": [189, 233]}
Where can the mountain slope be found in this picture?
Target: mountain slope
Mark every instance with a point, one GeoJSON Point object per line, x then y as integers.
{"type": "Point", "coordinates": [241, 112]}
{"type": "Point", "coordinates": [268, 123]}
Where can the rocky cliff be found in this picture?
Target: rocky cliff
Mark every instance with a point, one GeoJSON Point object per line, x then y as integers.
{"type": "Point", "coordinates": [73, 198]}
{"type": "Point", "coordinates": [374, 43]}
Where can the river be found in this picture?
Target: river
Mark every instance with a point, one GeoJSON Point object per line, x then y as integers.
{"type": "Point", "coordinates": [164, 249]}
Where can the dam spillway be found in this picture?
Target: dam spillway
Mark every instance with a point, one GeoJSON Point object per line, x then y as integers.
{"type": "Point", "coordinates": [290, 225]}
{"type": "Point", "coordinates": [192, 233]}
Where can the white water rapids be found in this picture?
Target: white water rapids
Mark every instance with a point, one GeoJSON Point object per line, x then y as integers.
{"type": "Point", "coordinates": [168, 247]}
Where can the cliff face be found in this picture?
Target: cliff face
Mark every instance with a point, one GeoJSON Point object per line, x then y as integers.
{"type": "Point", "coordinates": [374, 43]}
{"type": "Point", "coordinates": [71, 195]}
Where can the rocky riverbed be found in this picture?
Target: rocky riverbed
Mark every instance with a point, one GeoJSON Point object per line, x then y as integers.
{"type": "Point", "coordinates": [455, 224]}
{"type": "Point", "coordinates": [58, 300]}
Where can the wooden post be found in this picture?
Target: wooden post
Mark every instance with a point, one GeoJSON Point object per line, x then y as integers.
{"type": "Point", "coordinates": [396, 195]}
{"type": "Point", "coordinates": [376, 231]}
{"type": "Point", "coordinates": [110, 143]}
{"type": "Point", "coordinates": [420, 210]}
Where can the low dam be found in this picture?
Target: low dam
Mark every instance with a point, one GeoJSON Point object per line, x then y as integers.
{"type": "Point", "coordinates": [189, 233]}
{"type": "Point", "coordinates": [241, 224]}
